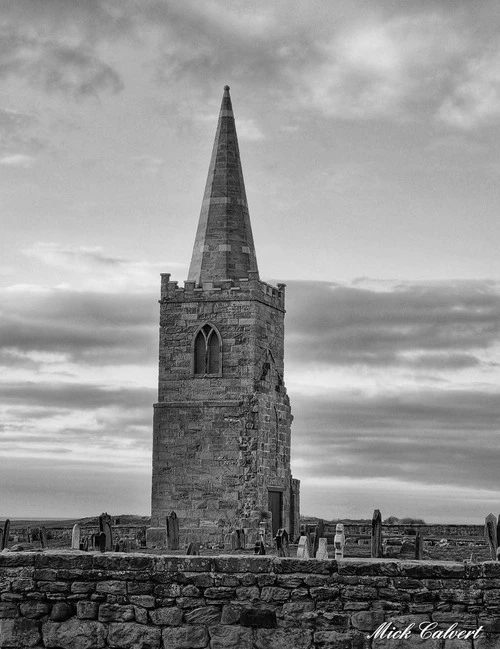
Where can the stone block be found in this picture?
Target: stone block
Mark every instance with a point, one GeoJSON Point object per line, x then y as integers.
{"type": "Point", "coordinates": [116, 613]}
{"type": "Point", "coordinates": [9, 609]}
{"type": "Point", "coordinates": [193, 637]}
{"type": "Point", "coordinates": [487, 641]}
{"type": "Point", "coordinates": [34, 609]}
{"type": "Point", "coordinates": [229, 637]}
{"type": "Point", "coordinates": [367, 620]}
{"type": "Point", "coordinates": [130, 635]}
{"type": "Point", "coordinates": [74, 634]}
{"type": "Point", "coordinates": [87, 610]}
{"type": "Point", "coordinates": [141, 615]}
{"type": "Point", "coordinates": [283, 639]}
{"type": "Point", "coordinates": [335, 639]}
{"type": "Point", "coordinates": [19, 633]}
{"type": "Point", "coordinates": [83, 587]}
{"type": "Point", "coordinates": [112, 587]}
{"type": "Point", "coordinates": [207, 615]}
{"type": "Point", "coordinates": [61, 611]}
{"type": "Point", "coordinates": [168, 616]}
{"type": "Point", "coordinates": [146, 601]}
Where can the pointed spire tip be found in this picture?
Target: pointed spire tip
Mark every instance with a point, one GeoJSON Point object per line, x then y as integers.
{"type": "Point", "coordinates": [226, 88]}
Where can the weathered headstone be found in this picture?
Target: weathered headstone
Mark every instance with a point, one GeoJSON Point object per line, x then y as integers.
{"type": "Point", "coordinates": [322, 551]}
{"type": "Point", "coordinates": [75, 537]}
{"type": "Point", "coordinates": [193, 549]}
{"type": "Point", "coordinates": [304, 549]}
{"type": "Point", "coordinates": [419, 545]}
{"type": "Point", "coordinates": [490, 531]}
{"type": "Point", "coordinates": [101, 541]}
{"type": "Point", "coordinates": [108, 532]}
{"type": "Point", "coordinates": [43, 538]}
{"type": "Point", "coordinates": [376, 534]}
{"type": "Point", "coordinates": [339, 541]}
{"type": "Point", "coordinates": [235, 545]}
{"type": "Point", "coordinates": [6, 534]}
{"type": "Point", "coordinates": [172, 531]}
{"type": "Point", "coordinates": [282, 544]}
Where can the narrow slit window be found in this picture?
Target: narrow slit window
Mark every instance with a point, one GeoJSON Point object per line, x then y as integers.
{"type": "Point", "coordinates": [207, 351]}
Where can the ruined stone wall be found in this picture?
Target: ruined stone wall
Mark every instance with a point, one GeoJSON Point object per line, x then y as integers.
{"type": "Point", "coordinates": [91, 601]}
{"type": "Point", "coordinates": [220, 441]}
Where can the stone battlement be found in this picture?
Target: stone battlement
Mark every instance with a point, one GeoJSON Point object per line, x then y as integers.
{"type": "Point", "coordinates": [221, 290]}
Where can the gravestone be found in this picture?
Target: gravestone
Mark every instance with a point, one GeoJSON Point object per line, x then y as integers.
{"type": "Point", "coordinates": [419, 545]}
{"type": "Point", "coordinates": [304, 549]}
{"type": "Point", "coordinates": [490, 530]}
{"type": "Point", "coordinates": [193, 549]}
{"type": "Point", "coordinates": [101, 541]}
{"type": "Point", "coordinates": [339, 541]}
{"type": "Point", "coordinates": [376, 545]}
{"type": "Point", "coordinates": [6, 534]}
{"type": "Point", "coordinates": [108, 533]}
{"type": "Point", "coordinates": [75, 537]}
{"type": "Point", "coordinates": [322, 551]}
{"type": "Point", "coordinates": [43, 538]}
{"type": "Point", "coordinates": [172, 531]}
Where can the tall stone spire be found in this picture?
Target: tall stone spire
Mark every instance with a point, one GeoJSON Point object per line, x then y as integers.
{"type": "Point", "coordinates": [224, 248]}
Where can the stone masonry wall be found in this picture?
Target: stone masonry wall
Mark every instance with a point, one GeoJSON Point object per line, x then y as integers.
{"type": "Point", "coordinates": [80, 600]}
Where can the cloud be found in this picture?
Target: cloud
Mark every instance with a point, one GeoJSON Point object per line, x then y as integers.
{"type": "Point", "coordinates": [56, 47]}
{"type": "Point", "coordinates": [422, 326]}
{"type": "Point", "coordinates": [445, 437]}
{"type": "Point", "coordinates": [94, 328]}
{"type": "Point", "coordinates": [18, 160]}
{"type": "Point", "coordinates": [92, 268]}
{"type": "Point", "coordinates": [475, 99]}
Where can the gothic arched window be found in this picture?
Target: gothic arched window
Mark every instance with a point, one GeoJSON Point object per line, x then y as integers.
{"type": "Point", "coordinates": [207, 351]}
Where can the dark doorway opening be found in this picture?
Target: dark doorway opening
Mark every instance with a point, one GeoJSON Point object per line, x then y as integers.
{"type": "Point", "coordinates": [276, 509]}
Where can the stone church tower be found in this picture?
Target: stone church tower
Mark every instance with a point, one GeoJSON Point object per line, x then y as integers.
{"type": "Point", "coordinates": [221, 441]}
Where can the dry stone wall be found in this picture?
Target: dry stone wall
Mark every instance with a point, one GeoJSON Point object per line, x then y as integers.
{"type": "Point", "coordinates": [91, 601]}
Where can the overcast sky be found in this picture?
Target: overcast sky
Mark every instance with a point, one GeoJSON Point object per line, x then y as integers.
{"type": "Point", "coordinates": [369, 140]}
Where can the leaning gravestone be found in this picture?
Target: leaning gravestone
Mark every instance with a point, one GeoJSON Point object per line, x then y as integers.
{"type": "Point", "coordinates": [172, 531]}
{"type": "Point", "coordinates": [322, 551]}
{"type": "Point", "coordinates": [490, 530]}
{"type": "Point", "coordinates": [304, 549]}
{"type": "Point", "coordinates": [6, 534]}
{"type": "Point", "coordinates": [75, 537]}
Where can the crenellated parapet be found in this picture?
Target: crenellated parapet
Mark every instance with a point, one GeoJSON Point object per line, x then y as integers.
{"type": "Point", "coordinates": [251, 288]}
